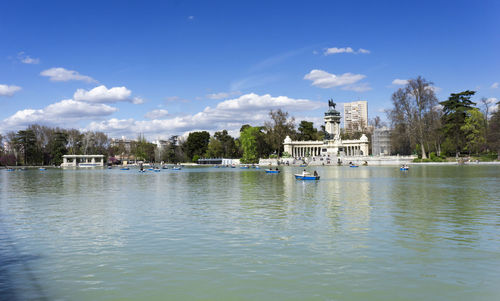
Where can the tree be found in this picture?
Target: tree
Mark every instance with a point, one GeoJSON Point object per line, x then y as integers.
{"type": "Point", "coordinates": [197, 144]}
{"type": "Point", "coordinates": [411, 106]}
{"type": "Point", "coordinates": [142, 149]}
{"type": "Point", "coordinates": [278, 128]}
{"type": "Point", "coordinates": [74, 142]}
{"type": "Point", "coordinates": [474, 131]}
{"type": "Point", "coordinates": [455, 111]}
{"type": "Point", "coordinates": [487, 104]}
{"type": "Point", "coordinates": [26, 143]}
{"type": "Point", "coordinates": [377, 122]}
{"type": "Point", "coordinates": [307, 131]}
{"type": "Point", "coordinates": [229, 149]}
{"type": "Point", "coordinates": [214, 149]}
{"type": "Point", "coordinates": [57, 147]}
{"type": "Point", "coordinates": [494, 131]}
{"type": "Point", "coordinates": [249, 144]}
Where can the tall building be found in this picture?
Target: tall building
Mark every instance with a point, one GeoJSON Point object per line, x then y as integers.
{"type": "Point", "coordinates": [355, 116]}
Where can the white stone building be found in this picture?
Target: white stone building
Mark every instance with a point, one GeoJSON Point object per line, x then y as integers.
{"type": "Point", "coordinates": [332, 145]}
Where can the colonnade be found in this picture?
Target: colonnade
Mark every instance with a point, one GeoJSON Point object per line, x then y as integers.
{"type": "Point", "coordinates": [305, 151]}
{"type": "Point", "coordinates": [353, 150]}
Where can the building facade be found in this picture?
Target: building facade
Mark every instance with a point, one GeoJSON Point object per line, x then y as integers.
{"type": "Point", "coordinates": [332, 145]}
{"type": "Point", "coordinates": [381, 142]}
{"type": "Point", "coordinates": [355, 116]}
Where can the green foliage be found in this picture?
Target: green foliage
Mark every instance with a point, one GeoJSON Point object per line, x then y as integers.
{"type": "Point", "coordinates": [143, 150]}
{"type": "Point", "coordinates": [248, 140]}
{"type": "Point", "coordinates": [196, 144]}
{"type": "Point", "coordinates": [307, 131]}
{"type": "Point", "coordinates": [57, 147]}
{"type": "Point", "coordinates": [26, 143]}
{"type": "Point", "coordinates": [228, 145]}
{"type": "Point", "coordinates": [455, 111]}
{"type": "Point", "coordinates": [474, 131]}
{"type": "Point", "coordinates": [214, 149]}
{"type": "Point", "coordinates": [195, 158]}
{"type": "Point", "coordinates": [286, 155]}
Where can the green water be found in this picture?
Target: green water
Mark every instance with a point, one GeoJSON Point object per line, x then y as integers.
{"type": "Point", "coordinates": [367, 233]}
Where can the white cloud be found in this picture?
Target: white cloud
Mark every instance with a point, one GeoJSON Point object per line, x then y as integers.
{"type": "Point", "coordinates": [60, 113]}
{"type": "Point", "coordinates": [6, 90]}
{"type": "Point", "coordinates": [26, 59]}
{"type": "Point", "coordinates": [401, 82]}
{"type": "Point", "coordinates": [326, 80]}
{"type": "Point", "coordinates": [156, 114]}
{"type": "Point", "coordinates": [336, 50]}
{"type": "Point", "coordinates": [434, 88]}
{"type": "Point", "coordinates": [491, 100]}
{"type": "Point", "coordinates": [229, 114]}
{"type": "Point", "coordinates": [494, 85]}
{"type": "Point", "coordinates": [64, 75]}
{"type": "Point", "coordinates": [101, 94]}
{"type": "Point", "coordinates": [222, 95]}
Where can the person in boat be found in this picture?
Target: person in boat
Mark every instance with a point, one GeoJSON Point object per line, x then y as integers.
{"type": "Point", "coordinates": [304, 173]}
{"type": "Point", "coordinates": [315, 173]}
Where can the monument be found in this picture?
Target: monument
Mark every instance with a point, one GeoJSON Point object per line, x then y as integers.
{"type": "Point", "coordinates": [332, 144]}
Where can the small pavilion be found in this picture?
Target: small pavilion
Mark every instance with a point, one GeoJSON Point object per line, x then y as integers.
{"type": "Point", "coordinates": [82, 160]}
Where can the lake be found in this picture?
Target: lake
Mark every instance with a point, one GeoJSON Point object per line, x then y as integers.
{"type": "Point", "coordinates": [204, 233]}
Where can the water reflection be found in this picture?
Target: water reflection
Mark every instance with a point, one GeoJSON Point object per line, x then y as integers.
{"type": "Point", "coordinates": [358, 232]}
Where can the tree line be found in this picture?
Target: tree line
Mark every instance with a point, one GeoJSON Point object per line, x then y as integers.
{"type": "Point", "coordinates": [420, 124]}
{"type": "Point", "coordinates": [457, 126]}
{"type": "Point", "coordinates": [43, 145]}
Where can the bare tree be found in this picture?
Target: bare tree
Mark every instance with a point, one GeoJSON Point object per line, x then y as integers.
{"type": "Point", "coordinates": [487, 104]}
{"type": "Point", "coordinates": [412, 104]}
{"type": "Point", "coordinates": [278, 128]}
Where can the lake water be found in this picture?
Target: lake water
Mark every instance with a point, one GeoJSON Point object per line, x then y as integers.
{"type": "Point", "coordinates": [367, 233]}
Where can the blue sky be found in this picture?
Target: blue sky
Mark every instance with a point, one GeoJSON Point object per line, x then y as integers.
{"type": "Point", "coordinates": [169, 67]}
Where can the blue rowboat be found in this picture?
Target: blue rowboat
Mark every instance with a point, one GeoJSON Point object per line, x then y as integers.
{"type": "Point", "coordinates": [272, 171]}
{"type": "Point", "coordinates": [42, 169]}
{"type": "Point", "coordinates": [10, 169]}
{"type": "Point", "coordinates": [176, 168]}
{"type": "Point", "coordinates": [306, 177]}
{"type": "Point", "coordinates": [303, 165]}
{"type": "Point", "coordinates": [244, 167]}
{"type": "Point", "coordinates": [124, 168]}
{"type": "Point", "coordinates": [353, 166]}
{"type": "Point", "coordinates": [404, 168]}
{"type": "Point", "coordinates": [257, 167]}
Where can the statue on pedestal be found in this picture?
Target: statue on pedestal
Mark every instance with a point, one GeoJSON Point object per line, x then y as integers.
{"type": "Point", "coordinates": [331, 104]}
